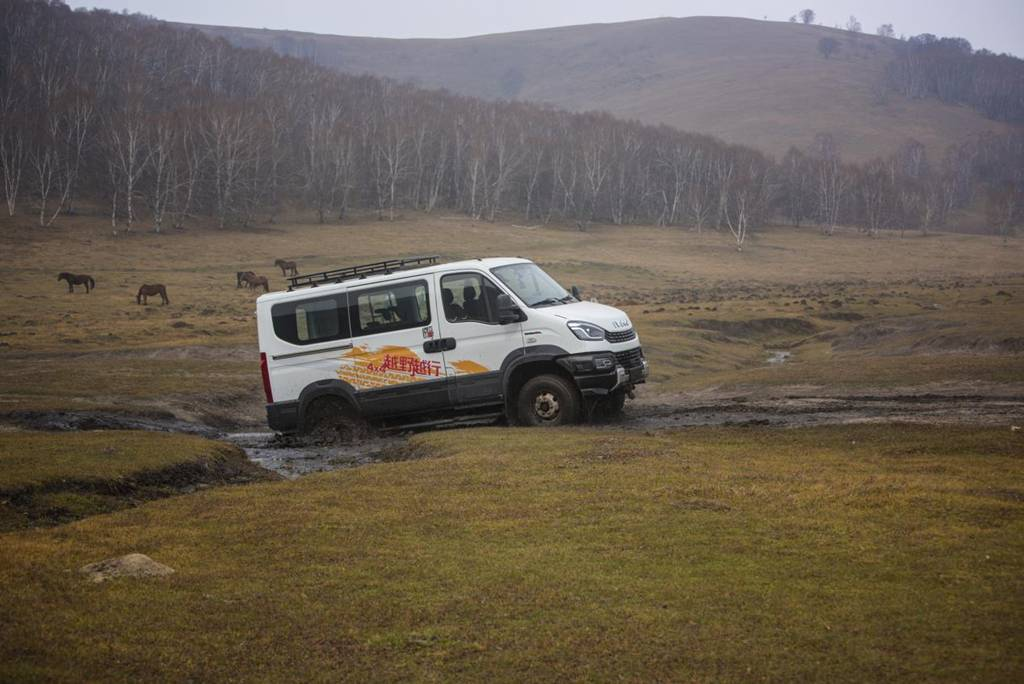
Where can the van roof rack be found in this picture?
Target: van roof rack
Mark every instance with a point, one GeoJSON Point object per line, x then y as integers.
{"type": "Point", "coordinates": [353, 272]}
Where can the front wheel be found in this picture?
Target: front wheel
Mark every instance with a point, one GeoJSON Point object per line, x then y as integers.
{"type": "Point", "coordinates": [547, 400]}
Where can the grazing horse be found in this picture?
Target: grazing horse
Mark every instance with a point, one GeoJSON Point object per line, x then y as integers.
{"type": "Point", "coordinates": [287, 267]}
{"type": "Point", "coordinates": [252, 281]}
{"type": "Point", "coordinates": [73, 280]}
{"type": "Point", "coordinates": [240, 277]}
{"type": "Point", "coordinates": [151, 291]}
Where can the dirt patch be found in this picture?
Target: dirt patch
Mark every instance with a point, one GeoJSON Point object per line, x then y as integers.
{"type": "Point", "coordinates": [291, 456]}
{"type": "Point", "coordinates": [813, 410]}
{"type": "Point", "coordinates": [846, 316]}
{"type": "Point", "coordinates": [758, 327]}
{"type": "Point", "coordinates": [969, 345]}
{"type": "Point", "coordinates": [63, 421]}
{"type": "Point", "coordinates": [893, 336]}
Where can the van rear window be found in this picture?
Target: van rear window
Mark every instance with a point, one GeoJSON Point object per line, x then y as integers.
{"type": "Point", "coordinates": [311, 321]}
{"type": "Point", "coordinates": [390, 308]}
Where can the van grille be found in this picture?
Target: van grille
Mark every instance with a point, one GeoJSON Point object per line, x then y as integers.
{"type": "Point", "coordinates": [631, 358]}
{"type": "Point", "coordinates": [620, 336]}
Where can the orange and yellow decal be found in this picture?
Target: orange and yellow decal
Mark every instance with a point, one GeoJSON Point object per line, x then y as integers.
{"type": "Point", "coordinates": [468, 367]}
{"type": "Point", "coordinates": [386, 366]}
{"type": "Point", "coordinates": [392, 365]}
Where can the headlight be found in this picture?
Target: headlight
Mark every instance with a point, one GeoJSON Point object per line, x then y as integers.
{"type": "Point", "coordinates": [586, 331]}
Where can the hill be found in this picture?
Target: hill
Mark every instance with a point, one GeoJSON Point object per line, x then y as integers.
{"type": "Point", "coordinates": [751, 82]}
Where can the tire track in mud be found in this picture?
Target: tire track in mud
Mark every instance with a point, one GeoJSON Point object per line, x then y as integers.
{"type": "Point", "coordinates": [294, 457]}
{"type": "Point", "coordinates": [806, 411]}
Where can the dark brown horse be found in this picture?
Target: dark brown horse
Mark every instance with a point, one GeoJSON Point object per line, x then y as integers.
{"type": "Point", "coordinates": [253, 281]}
{"type": "Point", "coordinates": [151, 291]}
{"type": "Point", "coordinates": [287, 267]}
{"type": "Point", "coordinates": [240, 277]}
{"type": "Point", "coordinates": [73, 280]}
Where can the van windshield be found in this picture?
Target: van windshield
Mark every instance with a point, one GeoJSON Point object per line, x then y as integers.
{"type": "Point", "coordinates": [532, 285]}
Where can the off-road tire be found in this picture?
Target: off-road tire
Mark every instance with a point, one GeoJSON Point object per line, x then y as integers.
{"type": "Point", "coordinates": [547, 401]}
{"type": "Point", "coordinates": [332, 420]}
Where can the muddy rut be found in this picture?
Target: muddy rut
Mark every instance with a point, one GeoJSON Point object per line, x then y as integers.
{"type": "Point", "coordinates": [294, 458]}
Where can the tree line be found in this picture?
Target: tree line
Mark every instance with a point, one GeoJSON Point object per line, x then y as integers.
{"type": "Point", "coordinates": [950, 70]}
{"type": "Point", "coordinates": [164, 125]}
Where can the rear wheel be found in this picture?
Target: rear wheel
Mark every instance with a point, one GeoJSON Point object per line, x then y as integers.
{"type": "Point", "coordinates": [330, 419]}
{"type": "Point", "coordinates": [547, 400]}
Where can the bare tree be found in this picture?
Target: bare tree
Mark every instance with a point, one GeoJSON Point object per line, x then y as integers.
{"type": "Point", "coordinates": [886, 31]}
{"type": "Point", "coordinates": [853, 25]}
{"type": "Point", "coordinates": [807, 16]}
{"type": "Point", "coordinates": [828, 46]}
{"type": "Point", "coordinates": [832, 182]}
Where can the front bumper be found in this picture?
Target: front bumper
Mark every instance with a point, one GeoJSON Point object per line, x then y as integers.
{"type": "Point", "coordinates": [600, 374]}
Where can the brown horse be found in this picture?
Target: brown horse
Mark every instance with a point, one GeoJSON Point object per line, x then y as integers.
{"type": "Point", "coordinates": [287, 267]}
{"type": "Point", "coordinates": [240, 277]}
{"type": "Point", "coordinates": [252, 281]}
{"type": "Point", "coordinates": [151, 291]}
{"type": "Point", "coordinates": [73, 280]}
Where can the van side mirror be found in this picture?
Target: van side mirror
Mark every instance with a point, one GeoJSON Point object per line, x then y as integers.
{"type": "Point", "coordinates": [576, 293]}
{"type": "Point", "coordinates": [508, 312]}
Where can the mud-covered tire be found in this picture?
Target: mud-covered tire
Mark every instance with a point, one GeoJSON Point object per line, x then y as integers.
{"type": "Point", "coordinates": [610, 408]}
{"type": "Point", "coordinates": [330, 419]}
{"type": "Point", "coordinates": [548, 401]}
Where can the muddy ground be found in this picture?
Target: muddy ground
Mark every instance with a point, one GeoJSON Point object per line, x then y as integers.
{"type": "Point", "coordinates": [964, 404]}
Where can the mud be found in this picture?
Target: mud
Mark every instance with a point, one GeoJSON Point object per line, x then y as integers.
{"type": "Point", "coordinates": [809, 410]}
{"type": "Point", "coordinates": [292, 457]}
{"type": "Point", "coordinates": [65, 421]}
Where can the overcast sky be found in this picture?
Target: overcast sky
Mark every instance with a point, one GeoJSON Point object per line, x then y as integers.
{"type": "Point", "coordinates": [994, 24]}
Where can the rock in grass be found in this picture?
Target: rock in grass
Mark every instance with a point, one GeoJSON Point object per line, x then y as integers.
{"type": "Point", "coordinates": [132, 565]}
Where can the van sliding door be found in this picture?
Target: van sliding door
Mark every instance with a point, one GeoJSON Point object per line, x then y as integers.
{"type": "Point", "coordinates": [392, 369]}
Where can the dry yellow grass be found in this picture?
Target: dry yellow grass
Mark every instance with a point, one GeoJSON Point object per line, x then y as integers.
{"type": "Point", "coordinates": [102, 349]}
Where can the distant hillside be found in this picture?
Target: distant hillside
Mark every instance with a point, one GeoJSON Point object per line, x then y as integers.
{"type": "Point", "coordinates": [752, 82]}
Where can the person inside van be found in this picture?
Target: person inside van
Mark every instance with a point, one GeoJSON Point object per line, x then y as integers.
{"type": "Point", "coordinates": [452, 311]}
{"type": "Point", "coordinates": [473, 306]}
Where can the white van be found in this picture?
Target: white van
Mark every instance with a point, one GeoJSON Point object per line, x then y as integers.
{"type": "Point", "coordinates": [415, 341]}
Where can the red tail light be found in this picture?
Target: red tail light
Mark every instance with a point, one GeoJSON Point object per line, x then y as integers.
{"type": "Point", "coordinates": [265, 372]}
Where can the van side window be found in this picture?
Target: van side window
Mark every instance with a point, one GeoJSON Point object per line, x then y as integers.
{"type": "Point", "coordinates": [310, 321]}
{"type": "Point", "coordinates": [390, 308]}
{"type": "Point", "coordinates": [469, 297]}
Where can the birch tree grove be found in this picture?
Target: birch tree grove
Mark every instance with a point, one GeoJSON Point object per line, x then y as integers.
{"type": "Point", "coordinates": [166, 126]}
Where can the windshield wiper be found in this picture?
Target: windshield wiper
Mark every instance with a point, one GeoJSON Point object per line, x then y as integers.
{"type": "Point", "coordinates": [547, 302]}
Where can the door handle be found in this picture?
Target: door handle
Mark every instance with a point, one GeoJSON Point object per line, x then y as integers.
{"type": "Point", "coordinates": [439, 345]}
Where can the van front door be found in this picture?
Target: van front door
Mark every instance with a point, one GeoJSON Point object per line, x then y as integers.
{"type": "Point", "coordinates": [470, 311]}
{"type": "Point", "coordinates": [388, 365]}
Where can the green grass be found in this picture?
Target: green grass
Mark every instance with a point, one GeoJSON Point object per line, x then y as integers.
{"type": "Point", "coordinates": [50, 478]}
{"type": "Point", "coordinates": [33, 459]}
{"type": "Point", "coordinates": [842, 554]}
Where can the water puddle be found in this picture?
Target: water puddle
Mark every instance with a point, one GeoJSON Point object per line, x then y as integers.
{"type": "Point", "coordinates": [292, 459]}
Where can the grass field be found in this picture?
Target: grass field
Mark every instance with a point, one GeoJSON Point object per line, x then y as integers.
{"type": "Point", "coordinates": [47, 479]}
{"type": "Point", "coordinates": [865, 312]}
{"type": "Point", "coordinates": [838, 554]}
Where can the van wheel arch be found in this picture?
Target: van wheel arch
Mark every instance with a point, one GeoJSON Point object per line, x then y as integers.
{"type": "Point", "coordinates": [333, 390]}
{"type": "Point", "coordinates": [523, 373]}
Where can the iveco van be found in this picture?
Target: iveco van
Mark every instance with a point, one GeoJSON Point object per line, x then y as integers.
{"type": "Point", "coordinates": [416, 341]}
